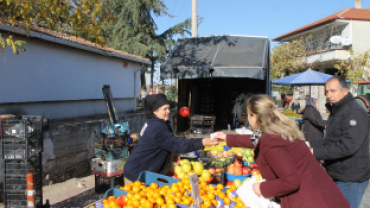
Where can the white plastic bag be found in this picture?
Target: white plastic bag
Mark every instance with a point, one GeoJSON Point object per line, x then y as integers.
{"type": "Point", "coordinates": [250, 199]}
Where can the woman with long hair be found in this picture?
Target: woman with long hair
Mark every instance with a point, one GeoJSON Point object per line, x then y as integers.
{"type": "Point", "coordinates": [313, 124]}
{"type": "Point", "coordinates": [293, 176]}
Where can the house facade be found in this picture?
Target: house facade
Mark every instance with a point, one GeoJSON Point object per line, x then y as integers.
{"type": "Point", "coordinates": [331, 39]}
{"type": "Point", "coordinates": [61, 76]}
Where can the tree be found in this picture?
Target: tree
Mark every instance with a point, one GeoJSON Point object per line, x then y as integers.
{"type": "Point", "coordinates": [81, 16]}
{"type": "Point", "coordinates": [354, 67]}
{"type": "Point", "coordinates": [135, 31]}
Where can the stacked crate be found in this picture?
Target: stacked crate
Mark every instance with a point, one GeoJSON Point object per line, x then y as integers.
{"type": "Point", "coordinates": [22, 144]}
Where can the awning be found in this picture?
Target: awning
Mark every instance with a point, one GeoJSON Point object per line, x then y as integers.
{"type": "Point", "coordinates": [218, 56]}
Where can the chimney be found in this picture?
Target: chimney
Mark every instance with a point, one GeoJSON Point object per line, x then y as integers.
{"type": "Point", "coordinates": [358, 4]}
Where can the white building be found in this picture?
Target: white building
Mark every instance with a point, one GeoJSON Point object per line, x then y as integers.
{"type": "Point", "coordinates": [61, 76]}
{"type": "Point", "coordinates": [350, 28]}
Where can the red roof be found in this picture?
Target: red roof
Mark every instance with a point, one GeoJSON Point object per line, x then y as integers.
{"type": "Point", "coordinates": [347, 14]}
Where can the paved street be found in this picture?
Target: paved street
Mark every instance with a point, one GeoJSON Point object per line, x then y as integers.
{"type": "Point", "coordinates": [366, 200]}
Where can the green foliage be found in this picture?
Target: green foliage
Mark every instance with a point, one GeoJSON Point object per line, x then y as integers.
{"type": "Point", "coordinates": [135, 30]}
{"type": "Point", "coordinates": [354, 67]}
{"type": "Point", "coordinates": [80, 16]}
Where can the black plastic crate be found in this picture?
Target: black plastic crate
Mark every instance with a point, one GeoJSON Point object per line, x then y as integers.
{"type": "Point", "coordinates": [38, 120]}
{"type": "Point", "coordinates": [15, 198]}
{"type": "Point", "coordinates": [102, 183]}
{"type": "Point", "coordinates": [14, 149]}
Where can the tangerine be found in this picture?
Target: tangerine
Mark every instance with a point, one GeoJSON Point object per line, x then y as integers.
{"type": "Point", "coordinates": [171, 206]}
{"type": "Point", "coordinates": [153, 185]}
{"type": "Point", "coordinates": [220, 186]}
{"type": "Point", "coordinates": [148, 204]}
{"type": "Point", "coordinates": [137, 183]}
{"type": "Point", "coordinates": [227, 200]}
{"type": "Point", "coordinates": [160, 201]}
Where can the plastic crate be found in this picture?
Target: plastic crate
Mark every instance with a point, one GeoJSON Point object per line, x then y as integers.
{"type": "Point", "coordinates": [231, 177]}
{"type": "Point", "coordinates": [148, 178]}
{"type": "Point", "coordinates": [14, 149]}
{"type": "Point", "coordinates": [37, 120]}
{"type": "Point", "coordinates": [114, 192]}
{"type": "Point", "coordinates": [15, 198]}
{"type": "Point", "coordinates": [102, 183]}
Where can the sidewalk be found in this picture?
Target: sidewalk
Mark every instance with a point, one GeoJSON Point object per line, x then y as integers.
{"type": "Point", "coordinates": [71, 194]}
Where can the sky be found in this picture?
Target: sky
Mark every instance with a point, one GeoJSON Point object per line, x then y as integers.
{"type": "Point", "coordinates": [270, 18]}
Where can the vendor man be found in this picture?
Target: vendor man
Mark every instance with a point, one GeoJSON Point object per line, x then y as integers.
{"type": "Point", "coordinates": [345, 149]}
{"type": "Point", "coordinates": [157, 142]}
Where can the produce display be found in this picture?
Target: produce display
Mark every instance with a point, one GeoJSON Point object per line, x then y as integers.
{"type": "Point", "coordinates": [186, 168]}
{"type": "Point", "coordinates": [142, 196]}
{"type": "Point", "coordinates": [291, 114]}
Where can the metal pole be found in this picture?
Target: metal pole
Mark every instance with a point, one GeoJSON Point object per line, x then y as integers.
{"type": "Point", "coordinates": [194, 19]}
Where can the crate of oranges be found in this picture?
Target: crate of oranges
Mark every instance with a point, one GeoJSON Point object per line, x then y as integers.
{"type": "Point", "coordinates": [177, 194]}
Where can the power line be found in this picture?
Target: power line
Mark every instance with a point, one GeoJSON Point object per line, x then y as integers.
{"type": "Point", "coordinates": [174, 6]}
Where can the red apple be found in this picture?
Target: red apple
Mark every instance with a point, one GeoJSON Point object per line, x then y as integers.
{"type": "Point", "coordinates": [255, 171]}
{"type": "Point", "coordinates": [253, 165]}
{"type": "Point", "coordinates": [238, 164]}
{"type": "Point", "coordinates": [213, 171]}
{"type": "Point", "coordinates": [245, 170]}
{"type": "Point", "coordinates": [219, 169]}
{"type": "Point", "coordinates": [238, 171]}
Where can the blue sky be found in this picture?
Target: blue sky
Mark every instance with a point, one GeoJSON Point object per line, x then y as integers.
{"type": "Point", "coordinates": [270, 18]}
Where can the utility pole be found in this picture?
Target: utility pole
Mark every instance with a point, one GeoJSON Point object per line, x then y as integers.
{"type": "Point", "coordinates": [194, 19]}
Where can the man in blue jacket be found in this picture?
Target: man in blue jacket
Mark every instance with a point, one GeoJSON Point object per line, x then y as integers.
{"type": "Point", "coordinates": [345, 149]}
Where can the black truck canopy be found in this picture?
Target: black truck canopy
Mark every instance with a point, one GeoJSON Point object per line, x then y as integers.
{"type": "Point", "coordinates": [218, 56]}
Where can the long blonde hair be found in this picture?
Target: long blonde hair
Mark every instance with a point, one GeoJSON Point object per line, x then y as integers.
{"type": "Point", "coordinates": [270, 120]}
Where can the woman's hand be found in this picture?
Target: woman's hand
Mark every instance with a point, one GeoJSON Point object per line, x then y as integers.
{"type": "Point", "coordinates": [257, 189]}
{"type": "Point", "coordinates": [219, 135]}
{"type": "Point", "coordinates": [209, 142]}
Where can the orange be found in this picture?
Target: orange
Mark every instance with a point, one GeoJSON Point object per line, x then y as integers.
{"type": "Point", "coordinates": [169, 192]}
{"type": "Point", "coordinates": [91, 206]}
{"type": "Point", "coordinates": [153, 185]}
{"type": "Point", "coordinates": [106, 205]}
{"type": "Point", "coordinates": [180, 184]}
{"type": "Point", "coordinates": [104, 201]}
{"type": "Point", "coordinates": [142, 200]}
{"type": "Point", "coordinates": [227, 200]}
{"type": "Point", "coordinates": [149, 192]}
{"type": "Point", "coordinates": [228, 191]}
{"type": "Point", "coordinates": [137, 183]}
{"type": "Point", "coordinates": [166, 186]}
{"type": "Point", "coordinates": [137, 196]}
{"type": "Point", "coordinates": [214, 202]}
{"type": "Point", "coordinates": [207, 203]}
{"type": "Point", "coordinates": [136, 189]}
{"type": "Point", "coordinates": [187, 186]}
{"type": "Point", "coordinates": [156, 195]}
{"type": "Point", "coordinates": [160, 201]}
{"type": "Point", "coordinates": [174, 188]}
{"type": "Point", "coordinates": [127, 188]}
{"type": "Point", "coordinates": [220, 186]}
{"type": "Point", "coordinates": [130, 206]}
{"type": "Point", "coordinates": [148, 204]}
{"type": "Point", "coordinates": [136, 203]}
{"type": "Point", "coordinates": [186, 201]}
{"type": "Point", "coordinates": [211, 196]}
{"type": "Point", "coordinates": [232, 187]}
{"type": "Point", "coordinates": [221, 195]}
{"type": "Point", "coordinates": [170, 201]}
{"type": "Point", "coordinates": [130, 195]}
{"type": "Point", "coordinates": [171, 206]}
{"type": "Point", "coordinates": [239, 204]}
{"type": "Point", "coordinates": [162, 192]}
{"type": "Point", "coordinates": [164, 206]}
{"type": "Point", "coordinates": [177, 199]}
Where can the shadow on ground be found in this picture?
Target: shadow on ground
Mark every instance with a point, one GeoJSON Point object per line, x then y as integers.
{"type": "Point", "coordinates": [82, 200]}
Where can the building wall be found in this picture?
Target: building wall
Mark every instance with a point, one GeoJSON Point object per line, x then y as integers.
{"type": "Point", "coordinates": [63, 82]}
{"type": "Point", "coordinates": [360, 36]}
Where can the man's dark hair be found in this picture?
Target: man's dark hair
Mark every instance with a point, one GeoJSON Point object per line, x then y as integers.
{"type": "Point", "coordinates": [341, 80]}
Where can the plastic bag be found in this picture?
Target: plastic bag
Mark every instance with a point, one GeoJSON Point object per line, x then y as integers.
{"type": "Point", "coordinates": [111, 128]}
{"type": "Point", "coordinates": [250, 199]}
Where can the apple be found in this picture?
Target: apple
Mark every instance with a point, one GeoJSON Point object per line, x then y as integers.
{"type": "Point", "coordinates": [213, 171]}
{"type": "Point", "coordinates": [214, 152]}
{"type": "Point", "coordinates": [219, 169]}
{"type": "Point", "coordinates": [181, 174]}
{"type": "Point", "coordinates": [238, 164]}
{"type": "Point", "coordinates": [238, 170]}
{"type": "Point", "coordinates": [255, 172]}
{"type": "Point", "coordinates": [184, 161]}
{"type": "Point", "coordinates": [231, 169]}
{"type": "Point", "coordinates": [237, 183]}
{"type": "Point", "coordinates": [226, 154]}
{"type": "Point", "coordinates": [250, 159]}
{"type": "Point", "coordinates": [186, 167]}
{"type": "Point", "coordinates": [248, 153]}
{"type": "Point", "coordinates": [206, 175]}
{"type": "Point", "coordinates": [245, 170]}
{"type": "Point", "coordinates": [198, 168]}
{"type": "Point", "coordinates": [178, 168]}
{"type": "Point", "coordinates": [253, 165]}
{"type": "Point", "coordinates": [239, 155]}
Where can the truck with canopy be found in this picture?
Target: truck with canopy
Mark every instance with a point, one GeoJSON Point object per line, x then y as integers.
{"type": "Point", "coordinates": [213, 74]}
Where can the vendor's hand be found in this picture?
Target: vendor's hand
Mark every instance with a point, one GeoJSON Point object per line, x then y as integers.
{"type": "Point", "coordinates": [220, 136]}
{"type": "Point", "coordinates": [209, 142]}
{"type": "Point", "coordinates": [257, 188]}
{"type": "Point", "coordinates": [312, 151]}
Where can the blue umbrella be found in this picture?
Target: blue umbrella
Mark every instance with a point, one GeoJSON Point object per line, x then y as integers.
{"type": "Point", "coordinates": [308, 77]}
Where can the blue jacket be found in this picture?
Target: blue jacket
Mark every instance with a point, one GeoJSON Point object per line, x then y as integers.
{"type": "Point", "coordinates": [156, 143]}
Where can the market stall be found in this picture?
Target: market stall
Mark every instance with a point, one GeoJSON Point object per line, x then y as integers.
{"type": "Point", "coordinates": [212, 72]}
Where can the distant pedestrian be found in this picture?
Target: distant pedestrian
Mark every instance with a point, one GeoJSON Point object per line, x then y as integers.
{"type": "Point", "coordinates": [313, 124]}
{"type": "Point", "coordinates": [296, 106]}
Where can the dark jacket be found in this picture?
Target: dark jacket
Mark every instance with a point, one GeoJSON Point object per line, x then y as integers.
{"type": "Point", "coordinates": [292, 174]}
{"type": "Point", "coordinates": [313, 124]}
{"type": "Point", "coordinates": [346, 146]}
{"type": "Point", "coordinates": [156, 143]}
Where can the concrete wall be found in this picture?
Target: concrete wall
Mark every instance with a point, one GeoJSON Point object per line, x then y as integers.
{"type": "Point", "coordinates": [62, 82]}
{"type": "Point", "coordinates": [360, 36]}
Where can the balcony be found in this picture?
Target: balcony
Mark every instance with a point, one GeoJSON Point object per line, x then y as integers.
{"type": "Point", "coordinates": [329, 55]}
